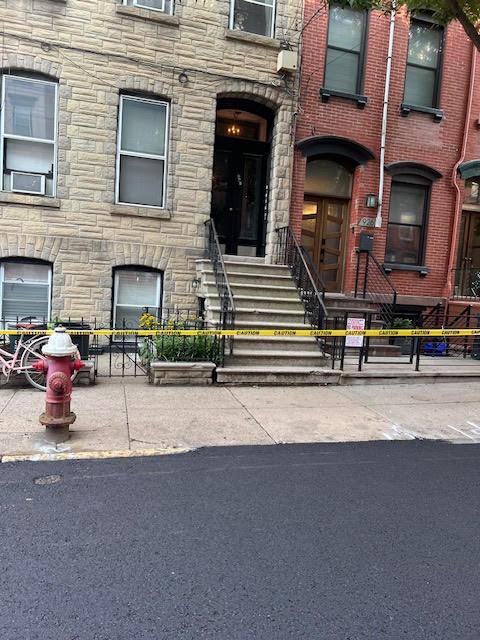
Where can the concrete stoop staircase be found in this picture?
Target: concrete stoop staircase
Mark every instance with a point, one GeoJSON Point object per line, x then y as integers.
{"type": "Point", "coordinates": [265, 298]}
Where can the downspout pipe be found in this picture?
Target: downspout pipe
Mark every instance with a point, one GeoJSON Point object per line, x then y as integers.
{"type": "Point", "coordinates": [448, 290]}
{"type": "Point", "coordinates": [388, 73]}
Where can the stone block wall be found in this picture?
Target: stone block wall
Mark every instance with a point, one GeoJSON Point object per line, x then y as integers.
{"type": "Point", "coordinates": [97, 49]}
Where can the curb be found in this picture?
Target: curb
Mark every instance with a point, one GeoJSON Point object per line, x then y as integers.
{"type": "Point", "coordinates": [91, 455]}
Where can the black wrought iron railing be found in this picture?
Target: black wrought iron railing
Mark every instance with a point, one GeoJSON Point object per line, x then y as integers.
{"type": "Point", "coordinates": [372, 283]}
{"type": "Point", "coordinates": [467, 282]}
{"type": "Point", "coordinates": [225, 295]}
{"type": "Point", "coordinates": [306, 276]}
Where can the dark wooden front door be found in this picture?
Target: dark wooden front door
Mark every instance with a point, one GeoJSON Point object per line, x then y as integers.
{"type": "Point", "coordinates": [324, 224]}
{"type": "Point", "coordinates": [239, 198]}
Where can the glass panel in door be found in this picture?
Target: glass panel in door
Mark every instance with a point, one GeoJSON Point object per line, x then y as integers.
{"type": "Point", "coordinates": [250, 183]}
{"type": "Point", "coordinates": [332, 244]}
{"type": "Point", "coordinates": [222, 210]}
{"type": "Point", "coordinates": [309, 227]}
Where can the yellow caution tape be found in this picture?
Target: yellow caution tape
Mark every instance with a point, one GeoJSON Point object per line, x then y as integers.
{"type": "Point", "coordinates": [290, 333]}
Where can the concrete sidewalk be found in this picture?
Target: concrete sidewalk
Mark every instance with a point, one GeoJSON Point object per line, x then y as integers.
{"type": "Point", "coordinates": [130, 415]}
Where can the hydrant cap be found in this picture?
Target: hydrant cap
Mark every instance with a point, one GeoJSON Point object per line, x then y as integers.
{"type": "Point", "coordinates": [59, 344]}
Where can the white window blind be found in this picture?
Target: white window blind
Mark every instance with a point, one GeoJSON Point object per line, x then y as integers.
{"type": "Point", "coordinates": [142, 152]}
{"type": "Point", "coordinates": [134, 292]}
{"type": "Point", "coordinates": [25, 290]}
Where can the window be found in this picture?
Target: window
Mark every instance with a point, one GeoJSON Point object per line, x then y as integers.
{"type": "Point", "coordinates": [422, 78]}
{"type": "Point", "coordinates": [254, 16]}
{"type": "Point", "coordinates": [345, 50]}
{"type": "Point", "coordinates": [28, 135]}
{"type": "Point", "coordinates": [25, 290]}
{"type": "Point", "coordinates": [142, 152]}
{"type": "Point", "coordinates": [157, 5]}
{"type": "Point", "coordinates": [472, 191]}
{"type": "Point", "coordinates": [406, 223]}
{"type": "Point", "coordinates": [135, 291]}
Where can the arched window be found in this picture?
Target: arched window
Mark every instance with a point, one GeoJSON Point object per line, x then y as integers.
{"type": "Point", "coordinates": [136, 290]}
{"type": "Point", "coordinates": [408, 214]}
{"type": "Point", "coordinates": [327, 177]}
{"type": "Point", "coordinates": [28, 135]}
{"type": "Point", "coordinates": [25, 289]}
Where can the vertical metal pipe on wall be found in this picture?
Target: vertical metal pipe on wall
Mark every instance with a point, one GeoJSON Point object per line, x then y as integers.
{"type": "Point", "coordinates": [378, 219]}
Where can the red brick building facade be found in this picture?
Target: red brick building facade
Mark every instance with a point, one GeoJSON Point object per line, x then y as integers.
{"type": "Point", "coordinates": [339, 133]}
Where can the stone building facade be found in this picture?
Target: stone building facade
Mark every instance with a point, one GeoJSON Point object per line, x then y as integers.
{"type": "Point", "coordinates": [189, 56]}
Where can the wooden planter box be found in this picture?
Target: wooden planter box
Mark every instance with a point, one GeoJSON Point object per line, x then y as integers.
{"type": "Point", "coordinates": [182, 373]}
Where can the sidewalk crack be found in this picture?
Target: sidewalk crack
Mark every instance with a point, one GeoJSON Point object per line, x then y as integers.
{"type": "Point", "coordinates": [15, 391]}
{"type": "Point", "coordinates": [126, 415]}
{"type": "Point", "coordinates": [252, 416]}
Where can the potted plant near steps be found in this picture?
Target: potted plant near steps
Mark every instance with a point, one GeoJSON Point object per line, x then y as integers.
{"type": "Point", "coordinates": [405, 342]}
{"type": "Point", "coordinates": [173, 359]}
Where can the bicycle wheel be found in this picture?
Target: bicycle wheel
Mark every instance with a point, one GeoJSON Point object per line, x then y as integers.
{"type": "Point", "coordinates": [37, 379]}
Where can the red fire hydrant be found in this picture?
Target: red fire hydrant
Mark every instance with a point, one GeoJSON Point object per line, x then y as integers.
{"type": "Point", "coordinates": [59, 365]}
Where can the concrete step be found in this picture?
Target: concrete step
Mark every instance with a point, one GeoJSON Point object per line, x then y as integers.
{"type": "Point", "coordinates": [241, 266]}
{"type": "Point", "coordinates": [333, 300]}
{"type": "Point", "coordinates": [265, 324]}
{"type": "Point", "coordinates": [255, 290]}
{"type": "Point", "coordinates": [375, 350]}
{"type": "Point", "coordinates": [275, 305]}
{"type": "Point", "coordinates": [276, 343]}
{"type": "Point", "coordinates": [351, 312]}
{"type": "Point", "coordinates": [277, 375]}
{"type": "Point", "coordinates": [265, 279]}
{"type": "Point", "coordinates": [260, 316]}
{"type": "Point", "coordinates": [257, 357]}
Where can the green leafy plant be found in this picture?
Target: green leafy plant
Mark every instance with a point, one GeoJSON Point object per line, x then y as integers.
{"type": "Point", "coordinates": [54, 323]}
{"type": "Point", "coordinates": [177, 348]}
{"type": "Point", "coordinates": [402, 323]}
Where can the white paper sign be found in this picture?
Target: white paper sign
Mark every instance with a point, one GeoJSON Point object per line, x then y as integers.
{"type": "Point", "coordinates": [355, 324]}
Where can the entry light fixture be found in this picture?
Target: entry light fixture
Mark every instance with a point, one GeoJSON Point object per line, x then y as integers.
{"type": "Point", "coordinates": [371, 201]}
{"type": "Point", "coordinates": [195, 283]}
{"type": "Point", "coordinates": [233, 129]}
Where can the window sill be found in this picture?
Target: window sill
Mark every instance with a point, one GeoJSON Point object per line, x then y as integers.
{"type": "Point", "coordinates": [436, 113]}
{"type": "Point", "coordinates": [139, 212]}
{"type": "Point", "coordinates": [6, 197]}
{"type": "Point", "coordinates": [394, 266]}
{"type": "Point", "coordinates": [360, 100]}
{"type": "Point", "coordinates": [148, 14]}
{"type": "Point", "coordinates": [253, 38]}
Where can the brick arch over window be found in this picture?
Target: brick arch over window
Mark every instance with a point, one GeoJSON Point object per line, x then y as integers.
{"type": "Point", "coordinates": [30, 246]}
{"type": "Point", "coordinates": [16, 64]}
{"type": "Point", "coordinates": [137, 84]}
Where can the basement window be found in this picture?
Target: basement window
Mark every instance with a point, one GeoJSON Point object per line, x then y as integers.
{"type": "Point", "coordinates": [25, 290]}
{"type": "Point", "coordinates": [136, 291]}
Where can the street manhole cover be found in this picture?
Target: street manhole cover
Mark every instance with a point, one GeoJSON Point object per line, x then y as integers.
{"type": "Point", "coordinates": [47, 479]}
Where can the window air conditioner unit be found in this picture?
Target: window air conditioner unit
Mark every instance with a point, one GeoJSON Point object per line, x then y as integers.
{"type": "Point", "coordinates": [28, 183]}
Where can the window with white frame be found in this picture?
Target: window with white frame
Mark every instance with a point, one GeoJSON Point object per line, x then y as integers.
{"type": "Point", "coordinates": [25, 290]}
{"type": "Point", "coordinates": [254, 16]}
{"type": "Point", "coordinates": [135, 291]}
{"type": "Point", "coordinates": [28, 141]}
{"type": "Point", "coordinates": [166, 6]}
{"type": "Point", "coordinates": [142, 152]}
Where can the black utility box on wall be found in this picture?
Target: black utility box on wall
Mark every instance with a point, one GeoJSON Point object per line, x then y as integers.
{"type": "Point", "coordinates": [366, 241]}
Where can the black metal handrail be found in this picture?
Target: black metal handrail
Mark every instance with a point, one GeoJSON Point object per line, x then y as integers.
{"type": "Point", "coordinates": [372, 283]}
{"type": "Point", "coordinates": [467, 282]}
{"type": "Point", "coordinates": [225, 295]}
{"type": "Point", "coordinates": [307, 278]}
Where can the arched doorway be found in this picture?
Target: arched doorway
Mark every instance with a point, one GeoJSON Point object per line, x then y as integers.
{"type": "Point", "coordinates": [240, 169]}
{"type": "Point", "coordinates": [328, 186]}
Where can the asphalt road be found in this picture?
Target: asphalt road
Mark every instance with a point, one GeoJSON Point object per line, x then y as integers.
{"type": "Point", "coordinates": [340, 541]}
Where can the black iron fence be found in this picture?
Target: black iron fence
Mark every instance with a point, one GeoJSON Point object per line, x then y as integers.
{"type": "Point", "coordinates": [128, 354]}
{"type": "Point", "coordinates": [373, 284]}
{"type": "Point", "coordinates": [467, 282]}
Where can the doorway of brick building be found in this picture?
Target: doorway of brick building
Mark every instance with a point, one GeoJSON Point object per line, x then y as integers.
{"type": "Point", "coordinates": [326, 206]}
{"type": "Point", "coordinates": [240, 168]}
{"type": "Point", "coordinates": [467, 280]}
